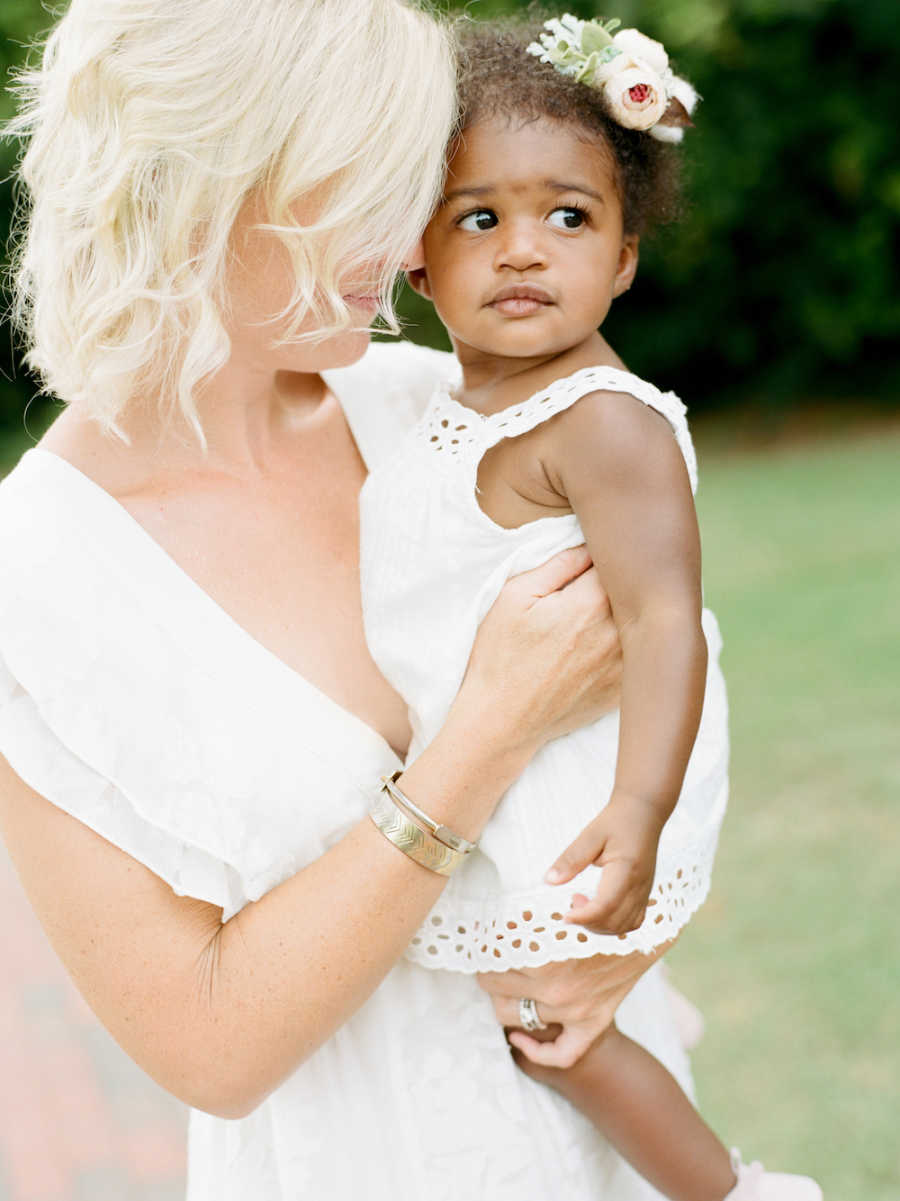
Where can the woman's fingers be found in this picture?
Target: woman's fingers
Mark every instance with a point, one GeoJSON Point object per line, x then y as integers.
{"type": "Point", "coordinates": [505, 984]}
{"type": "Point", "coordinates": [507, 1011]}
{"type": "Point", "coordinates": [587, 590]}
{"type": "Point", "coordinates": [556, 573]}
{"type": "Point", "coordinates": [546, 659]}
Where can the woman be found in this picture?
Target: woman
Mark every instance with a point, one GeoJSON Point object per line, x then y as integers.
{"type": "Point", "coordinates": [191, 726]}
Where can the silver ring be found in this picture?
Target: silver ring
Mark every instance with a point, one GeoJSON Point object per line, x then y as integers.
{"type": "Point", "coordinates": [529, 1018]}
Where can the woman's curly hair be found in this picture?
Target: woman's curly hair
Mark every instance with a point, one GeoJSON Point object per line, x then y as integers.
{"type": "Point", "coordinates": [498, 78]}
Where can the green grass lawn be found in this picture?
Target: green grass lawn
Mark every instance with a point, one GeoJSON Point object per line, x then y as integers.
{"type": "Point", "coordinates": [795, 959]}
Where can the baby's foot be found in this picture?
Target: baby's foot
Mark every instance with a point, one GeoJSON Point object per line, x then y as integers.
{"type": "Point", "coordinates": [756, 1184]}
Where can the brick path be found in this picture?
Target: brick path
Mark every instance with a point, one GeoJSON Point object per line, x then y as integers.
{"type": "Point", "coordinates": [78, 1120]}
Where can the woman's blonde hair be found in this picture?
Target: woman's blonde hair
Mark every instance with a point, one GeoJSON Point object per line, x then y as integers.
{"type": "Point", "coordinates": [149, 125]}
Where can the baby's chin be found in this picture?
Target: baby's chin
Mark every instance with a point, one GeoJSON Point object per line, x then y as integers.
{"type": "Point", "coordinates": [517, 343]}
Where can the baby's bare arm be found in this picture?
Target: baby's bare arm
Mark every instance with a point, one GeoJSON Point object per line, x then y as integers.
{"type": "Point", "coordinates": [619, 466]}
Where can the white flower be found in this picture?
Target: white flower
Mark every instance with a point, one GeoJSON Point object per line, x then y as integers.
{"type": "Point", "coordinates": [560, 46]}
{"type": "Point", "coordinates": [637, 45]}
{"type": "Point", "coordinates": [631, 69]}
{"type": "Point", "coordinates": [636, 97]}
{"type": "Point", "coordinates": [666, 133]}
{"type": "Point", "coordinates": [567, 28]}
{"type": "Point", "coordinates": [681, 90]}
{"type": "Point", "coordinates": [621, 62]}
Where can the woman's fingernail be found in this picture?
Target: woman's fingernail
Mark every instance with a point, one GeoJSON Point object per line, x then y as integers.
{"type": "Point", "coordinates": [554, 876]}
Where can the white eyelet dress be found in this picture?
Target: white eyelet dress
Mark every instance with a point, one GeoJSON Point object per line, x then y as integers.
{"type": "Point", "coordinates": [132, 701]}
{"type": "Point", "coordinates": [433, 564]}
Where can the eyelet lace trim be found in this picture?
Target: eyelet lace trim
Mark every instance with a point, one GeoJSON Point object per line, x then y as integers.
{"type": "Point", "coordinates": [459, 432]}
{"type": "Point", "coordinates": [527, 930]}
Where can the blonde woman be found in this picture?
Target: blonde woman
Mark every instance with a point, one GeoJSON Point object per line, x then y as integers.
{"type": "Point", "coordinates": [220, 195]}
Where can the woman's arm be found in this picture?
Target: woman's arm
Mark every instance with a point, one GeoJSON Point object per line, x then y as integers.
{"type": "Point", "coordinates": [221, 1014]}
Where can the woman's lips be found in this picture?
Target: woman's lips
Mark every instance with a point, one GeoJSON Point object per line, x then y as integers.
{"type": "Point", "coordinates": [521, 300]}
{"type": "Point", "coordinates": [370, 303]}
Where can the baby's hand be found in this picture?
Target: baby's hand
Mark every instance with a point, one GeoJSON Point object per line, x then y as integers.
{"type": "Point", "coordinates": [623, 841]}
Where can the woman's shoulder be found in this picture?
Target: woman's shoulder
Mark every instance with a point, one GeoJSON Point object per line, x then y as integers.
{"type": "Point", "coordinates": [32, 515]}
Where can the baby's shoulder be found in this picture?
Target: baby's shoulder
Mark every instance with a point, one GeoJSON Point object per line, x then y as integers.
{"type": "Point", "coordinates": [607, 417]}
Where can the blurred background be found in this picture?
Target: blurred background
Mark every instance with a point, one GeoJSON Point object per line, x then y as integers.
{"type": "Point", "coordinates": [773, 310]}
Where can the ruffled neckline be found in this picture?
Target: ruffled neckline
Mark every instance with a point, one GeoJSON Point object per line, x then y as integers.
{"type": "Point", "coordinates": [145, 549]}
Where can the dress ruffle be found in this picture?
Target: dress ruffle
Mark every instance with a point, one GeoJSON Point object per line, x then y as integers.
{"type": "Point", "coordinates": [118, 704]}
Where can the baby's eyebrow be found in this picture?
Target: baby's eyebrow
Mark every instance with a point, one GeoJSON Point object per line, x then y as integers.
{"type": "Point", "coordinates": [552, 185]}
{"type": "Point", "coordinates": [558, 186]}
{"type": "Point", "coordinates": [457, 192]}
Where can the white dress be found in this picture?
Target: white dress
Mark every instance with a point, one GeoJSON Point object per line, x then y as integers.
{"type": "Point", "coordinates": [129, 698]}
{"type": "Point", "coordinates": [432, 565]}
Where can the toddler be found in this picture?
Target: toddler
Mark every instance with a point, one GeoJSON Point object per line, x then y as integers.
{"type": "Point", "coordinates": [565, 156]}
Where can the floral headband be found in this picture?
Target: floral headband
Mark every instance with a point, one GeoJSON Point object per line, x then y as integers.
{"type": "Point", "coordinates": [630, 69]}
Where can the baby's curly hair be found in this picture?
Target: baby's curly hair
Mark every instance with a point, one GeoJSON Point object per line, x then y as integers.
{"type": "Point", "coordinates": [497, 78]}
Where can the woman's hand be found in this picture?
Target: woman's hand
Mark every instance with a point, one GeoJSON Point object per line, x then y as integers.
{"type": "Point", "coordinates": [547, 658]}
{"type": "Point", "coordinates": [578, 998]}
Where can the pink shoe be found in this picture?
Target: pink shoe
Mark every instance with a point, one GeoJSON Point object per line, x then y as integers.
{"type": "Point", "coordinates": [756, 1184]}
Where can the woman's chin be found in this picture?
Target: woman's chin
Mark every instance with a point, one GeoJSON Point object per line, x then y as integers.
{"type": "Point", "coordinates": [340, 350]}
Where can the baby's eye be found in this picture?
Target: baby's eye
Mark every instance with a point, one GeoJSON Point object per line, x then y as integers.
{"type": "Point", "coordinates": [567, 218]}
{"type": "Point", "coordinates": [478, 221]}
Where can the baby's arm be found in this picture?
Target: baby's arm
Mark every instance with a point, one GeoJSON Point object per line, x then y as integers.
{"type": "Point", "coordinates": [619, 466]}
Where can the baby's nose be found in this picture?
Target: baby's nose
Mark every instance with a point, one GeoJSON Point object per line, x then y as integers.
{"type": "Point", "coordinates": [522, 248]}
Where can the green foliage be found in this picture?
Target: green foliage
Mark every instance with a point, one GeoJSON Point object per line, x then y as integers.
{"type": "Point", "coordinates": [779, 283]}
{"type": "Point", "coordinates": [20, 23]}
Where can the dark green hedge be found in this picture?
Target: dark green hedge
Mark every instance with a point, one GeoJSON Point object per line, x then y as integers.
{"type": "Point", "coordinates": [779, 283]}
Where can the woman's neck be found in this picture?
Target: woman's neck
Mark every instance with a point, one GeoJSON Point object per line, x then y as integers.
{"type": "Point", "coordinates": [251, 422]}
{"type": "Point", "coordinates": [247, 416]}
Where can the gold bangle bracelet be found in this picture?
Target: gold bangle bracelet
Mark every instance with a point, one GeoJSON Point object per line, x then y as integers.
{"type": "Point", "coordinates": [411, 839]}
{"type": "Point", "coordinates": [456, 842]}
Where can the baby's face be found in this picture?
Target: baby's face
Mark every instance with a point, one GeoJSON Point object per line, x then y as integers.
{"type": "Point", "coordinates": [526, 250]}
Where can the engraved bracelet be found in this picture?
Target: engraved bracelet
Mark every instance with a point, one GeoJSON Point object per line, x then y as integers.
{"type": "Point", "coordinates": [456, 842]}
{"type": "Point", "coordinates": [412, 840]}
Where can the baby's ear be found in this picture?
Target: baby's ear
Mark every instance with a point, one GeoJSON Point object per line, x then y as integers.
{"type": "Point", "coordinates": [418, 281]}
{"type": "Point", "coordinates": [628, 264]}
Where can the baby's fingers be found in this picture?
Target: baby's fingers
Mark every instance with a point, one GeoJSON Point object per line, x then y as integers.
{"type": "Point", "coordinates": [614, 910]}
{"type": "Point", "coordinates": [599, 918]}
{"type": "Point", "coordinates": [563, 1052]}
{"type": "Point", "coordinates": [586, 849]}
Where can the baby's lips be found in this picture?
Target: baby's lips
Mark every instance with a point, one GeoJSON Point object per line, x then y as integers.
{"type": "Point", "coordinates": [533, 292]}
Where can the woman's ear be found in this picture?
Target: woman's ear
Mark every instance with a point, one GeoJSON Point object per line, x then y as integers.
{"type": "Point", "coordinates": [628, 264]}
{"type": "Point", "coordinates": [418, 281]}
